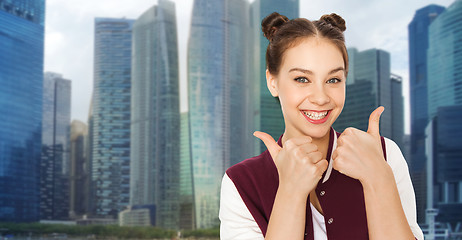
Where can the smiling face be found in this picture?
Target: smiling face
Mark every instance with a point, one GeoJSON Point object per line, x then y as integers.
{"type": "Point", "coordinates": [311, 87]}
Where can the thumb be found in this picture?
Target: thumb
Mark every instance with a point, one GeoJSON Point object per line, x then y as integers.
{"type": "Point", "coordinates": [374, 121]}
{"type": "Point", "coordinates": [269, 142]}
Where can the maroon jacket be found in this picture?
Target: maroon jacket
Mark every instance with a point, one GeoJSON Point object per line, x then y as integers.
{"type": "Point", "coordinates": [341, 197]}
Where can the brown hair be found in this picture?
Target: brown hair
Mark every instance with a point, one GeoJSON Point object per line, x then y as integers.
{"type": "Point", "coordinates": [283, 34]}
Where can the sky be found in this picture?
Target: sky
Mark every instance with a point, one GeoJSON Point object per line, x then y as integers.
{"type": "Point", "coordinates": [69, 27]}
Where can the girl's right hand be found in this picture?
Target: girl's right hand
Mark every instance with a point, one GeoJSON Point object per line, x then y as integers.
{"type": "Point", "coordinates": [299, 163]}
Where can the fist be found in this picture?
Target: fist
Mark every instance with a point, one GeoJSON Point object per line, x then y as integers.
{"type": "Point", "coordinates": [299, 163]}
{"type": "Point", "coordinates": [359, 154]}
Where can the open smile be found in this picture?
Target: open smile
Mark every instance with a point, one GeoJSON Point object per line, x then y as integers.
{"type": "Point", "coordinates": [316, 117]}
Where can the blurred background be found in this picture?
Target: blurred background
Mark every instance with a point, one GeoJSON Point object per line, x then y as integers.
{"type": "Point", "coordinates": [128, 113]}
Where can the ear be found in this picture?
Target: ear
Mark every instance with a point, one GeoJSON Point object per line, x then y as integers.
{"type": "Point", "coordinates": [271, 83]}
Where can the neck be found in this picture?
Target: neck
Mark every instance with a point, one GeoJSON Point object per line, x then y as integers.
{"type": "Point", "coordinates": [322, 142]}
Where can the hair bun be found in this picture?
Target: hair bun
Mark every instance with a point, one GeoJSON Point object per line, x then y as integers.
{"type": "Point", "coordinates": [272, 23]}
{"type": "Point", "coordinates": [335, 20]}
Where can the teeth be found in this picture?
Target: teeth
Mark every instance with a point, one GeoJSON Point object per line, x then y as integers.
{"type": "Point", "coordinates": [316, 115]}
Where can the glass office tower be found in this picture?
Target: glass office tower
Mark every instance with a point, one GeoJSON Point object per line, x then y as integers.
{"type": "Point", "coordinates": [155, 125]}
{"type": "Point", "coordinates": [418, 45]}
{"type": "Point", "coordinates": [55, 164]}
{"type": "Point", "coordinates": [110, 119]}
{"type": "Point", "coordinates": [217, 82]}
{"type": "Point", "coordinates": [21, 80]}
{"type": "Point", "coordinates": [444, 58]}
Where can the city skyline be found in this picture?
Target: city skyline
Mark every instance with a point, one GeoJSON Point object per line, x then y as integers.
{"type": "Point", "coordinates": [69, 39]}
{"type": "Point", "coordinates": [219, 97]}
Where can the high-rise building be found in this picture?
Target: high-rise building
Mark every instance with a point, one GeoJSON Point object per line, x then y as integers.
{"type": "Point", "coordinates": [444, 58]}
{"type": "Point", "coordinates": [218, 80]}
{"type": "Point", "coordinates": [79, 174]}
{"type": "Point", "coordinates": [55, 163]}
{"type": "Point", "coordinates": [110, 126]}
{"type": "Point", "coordinates": [444, 153]}
{"type": "Point", "coordinates": [91, 205]}
{"type": "Point", "coordinates": [397, 111]}
{"type": "Point", "coordinates": [155, 116]}
{"type": "Point", "coordinates": [418, 45]}
{"type": "Point", "coordinates": [21, 80]}
{"type": "Point", "coordinates": [186, 182]}
{"type": "Point", "coordinates": [368, 86]}
{"type": "Point", "coordinates": [267, 112]}
{"type": "Point", "coordinates": [444, 61]}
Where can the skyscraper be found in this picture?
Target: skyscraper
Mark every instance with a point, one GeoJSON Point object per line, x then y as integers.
{"type": "Point", "coordinates": [110, 120]}
{"type": "Point", "coordinates": [268, 112]}
{"type": "Point", "coordinates": [444, 150]}
{"type": "Point", "coordinates": [444, 58]}
{"type": "Point", "coordinates": [21, 80]}
{"type": "Point", "coordinates": [155, 119]}
{"type": "Point", "coordinates": [79, 174]}
{"type": "Point", "coordinates": [218, 79]}
{"type": "Point", "coordinates": [187, 219]}
{"type": "Point", "coordinates": [368, 86]}
{"type": "Point", "coordinates": [397, 108]}
{"type": "Point", "coordinates": [55, 164]}
{"type": "Point", "coordinates": [418, 45]}
{"type": "Point", "coordinates": [444, 61]}
{"type": "Point", "coordinates": [91, 186]}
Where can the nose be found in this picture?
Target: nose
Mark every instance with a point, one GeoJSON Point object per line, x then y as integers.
{"type": "Point", "coordinates": [319, 96]}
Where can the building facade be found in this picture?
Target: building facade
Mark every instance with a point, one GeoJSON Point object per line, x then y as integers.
{"type": "Point", "coordinates": [141, 215]}
{"type": "Point", "coordinates": [444, 151]}
{"type": "Point", "coordinates": [397, 116]}
{"type": "Point", "coordinates": [110, 119]}
{"type": "Point", "coordinates": [444, 58]}
{"type": "Point", "coordinates": [55, 160]}
{"type": "Point", "coordinates": [217, 80]}
{"type": "Point", "coordinates": [187, 219]}
{"type": "Point", "coordinates": [155, 114]}
{"type": "Point", "coordinates": [368, 86]}
{"type": "Point", "coordinates": [21, 78]}
{"type": "Point", "coordinates": [418, 45]}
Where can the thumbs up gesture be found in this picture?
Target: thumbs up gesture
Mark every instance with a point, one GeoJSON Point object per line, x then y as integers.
{"type": "Point", "coordinates": [299, 163]}
{"type": "Point", "coordinates": [359, 154]}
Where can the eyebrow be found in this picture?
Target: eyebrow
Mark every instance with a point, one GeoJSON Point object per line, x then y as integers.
{"type": "Point", "coordinates": [306, 71]}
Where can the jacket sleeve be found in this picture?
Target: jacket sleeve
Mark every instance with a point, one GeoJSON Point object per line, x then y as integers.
{"type": "Point", "coordinates": [403, 181]}
{"type": "Point", "coordinates": [236, 220]}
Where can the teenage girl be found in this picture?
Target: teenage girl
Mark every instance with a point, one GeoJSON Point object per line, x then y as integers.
{"type": "Point", "coordinates": [315, 183]}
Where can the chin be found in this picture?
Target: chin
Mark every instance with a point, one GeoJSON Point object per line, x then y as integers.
{"type": "Point", "coordinates": [319, 133]}
{"type": "Point", "coordinates": [316, 131]}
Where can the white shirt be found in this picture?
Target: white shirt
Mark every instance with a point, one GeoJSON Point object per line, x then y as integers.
{"type": "Point", "coordinates": [237, 222]}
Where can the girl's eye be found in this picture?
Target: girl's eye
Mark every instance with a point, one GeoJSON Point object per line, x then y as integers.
{"type": "Point", "coordinates": [302, 80]}
{"type": "Point", "coordinates": [333, 80]}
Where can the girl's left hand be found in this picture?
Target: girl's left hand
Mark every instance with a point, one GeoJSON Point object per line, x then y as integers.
{"type": "Point", "coordinates": [359, 154]}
